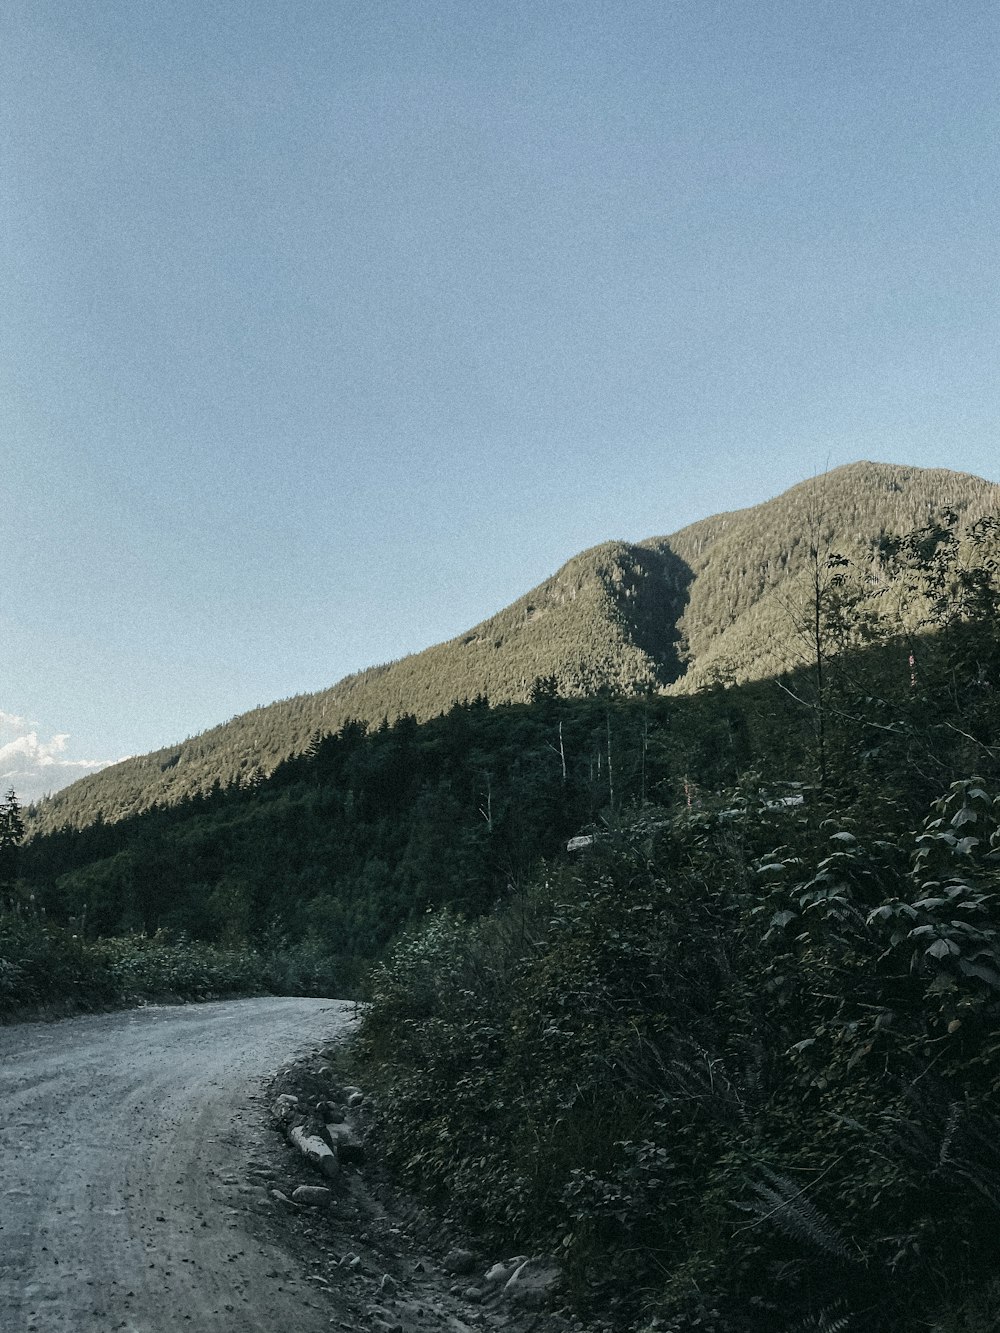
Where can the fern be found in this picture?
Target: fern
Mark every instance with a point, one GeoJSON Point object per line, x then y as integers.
{"type": "Point", "coordinates": [835, 1318]}
{"type": "Point", "coordinates": [783, 1203]}
{"type": "Point", "coordinates": [951, 1146]}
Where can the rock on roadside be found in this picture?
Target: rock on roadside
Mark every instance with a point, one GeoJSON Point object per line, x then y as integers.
{"type": "Point", "coordinates": [313, 1195]}
{"type": "Point", "coordinates": [345, 1143]}
{"type": "Point", "coordinates": [458, 1261]}
{"type": "Point", "coordinates": [532, 1283]}
{"type": "Point", "coordinates": [314, 1150]}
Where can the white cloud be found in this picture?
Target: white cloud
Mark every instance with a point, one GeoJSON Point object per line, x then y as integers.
{"type": "Point", "coordinates": [35, 767]}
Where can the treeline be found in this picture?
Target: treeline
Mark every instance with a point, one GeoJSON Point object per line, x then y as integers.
{"type": "Point", "coordinates": [601, 623]}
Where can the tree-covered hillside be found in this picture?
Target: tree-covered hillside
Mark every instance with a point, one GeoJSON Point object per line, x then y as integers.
{"type": "Point", "coordinates": [370, 826]}
{"type": "Point", "coordinates": [737, 1065]}
{"type": "Point", "coordinates": [724, 599]}
{"type": "Point", "coordinates": [367, 830]}
{"type": "Point", "coordinates": [752, 571]}
{"type": "Point", "coordinates": [604, 621]}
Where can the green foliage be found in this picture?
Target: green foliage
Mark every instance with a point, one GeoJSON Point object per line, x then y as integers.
{"type": "Point", "coordinates": [40, 962]}
{"type": "Point", "coordinates": [712, 1069]}
{"type": "Point", "coordinates": [43, 965]}
{"type": "Point", "coordinates": [138, 967]}
{"type": "Point", "coordinates": [308, 967]}
{"type": "Point", "coordinates": [11, 837]}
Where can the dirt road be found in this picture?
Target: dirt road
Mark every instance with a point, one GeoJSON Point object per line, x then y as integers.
{"type": "Point", "coordinates": [125, 1141]}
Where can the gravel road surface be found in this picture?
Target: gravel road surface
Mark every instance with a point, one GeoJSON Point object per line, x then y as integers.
{"type": "Point", "coordinates": [127, 1146]}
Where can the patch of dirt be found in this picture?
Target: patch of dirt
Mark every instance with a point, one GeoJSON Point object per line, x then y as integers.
{"type": "Point", "coordinates": [375, 1255]}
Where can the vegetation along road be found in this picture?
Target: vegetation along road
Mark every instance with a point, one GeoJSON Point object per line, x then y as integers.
{"type": "Point", "coordinates": [127, 1144]}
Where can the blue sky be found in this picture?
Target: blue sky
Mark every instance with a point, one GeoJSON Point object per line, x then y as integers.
{"type": "Point", "coordinates": [329, 328]}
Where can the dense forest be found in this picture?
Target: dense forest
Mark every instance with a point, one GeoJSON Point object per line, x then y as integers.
{"type": "Point", "coordinates": [735, 1055]}
{"type": "Point", "coordinates": [720, 601]}
{"type": "Point", "coordinates": [369, 829]}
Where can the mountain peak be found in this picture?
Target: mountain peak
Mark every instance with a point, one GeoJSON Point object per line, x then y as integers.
{"type": "Point", "coordinates": [708, 602]}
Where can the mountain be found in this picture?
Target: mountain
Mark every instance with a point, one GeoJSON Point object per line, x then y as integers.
{"type": "Point", "coordinates": [725, 599]}
{"type": "Point", "coordinates": [751, 570]}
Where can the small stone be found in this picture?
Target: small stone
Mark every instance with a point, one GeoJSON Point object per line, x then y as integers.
{"type": "Point", "coordinates": [459, 1260]}
{"type": "Point", "coordinates": [388, 1284]}
{"type": "Point", "coordinates": [502, 1272]}
{"type": "Point", "coordinates": [313, 1195]}
{"type": "Point", "coordinates": [531, 1283]}
{"type": "Point", "coordinates": [345, 1143]}
{"type": "Point", "coordinates": [355, 1099]}
{"type": "Point", "coordinates": [474, 1295]}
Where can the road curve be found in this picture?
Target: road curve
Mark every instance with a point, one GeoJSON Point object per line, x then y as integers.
{"type": "Point", "coordinates": [127, 1145]}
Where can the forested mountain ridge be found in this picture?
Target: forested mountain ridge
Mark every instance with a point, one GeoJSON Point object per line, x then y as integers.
{"type": "Point", "coordinates": [751, 569]}
{"type": "Point", "coordinates": [605, 620]}
{"type": "Point", "coordinates": [723, 599]}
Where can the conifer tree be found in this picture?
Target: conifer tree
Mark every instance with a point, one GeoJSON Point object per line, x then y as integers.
{"type": "Point", "coordinates": [11, 835]}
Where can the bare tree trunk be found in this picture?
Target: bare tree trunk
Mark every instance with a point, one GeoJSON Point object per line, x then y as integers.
{"type": "Point", "coordinates": [487, 812]}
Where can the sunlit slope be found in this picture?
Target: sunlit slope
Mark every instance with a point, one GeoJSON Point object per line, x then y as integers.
{"type": "Point", "coordinates": [723, 599]}
{"type": "Point", "coordinates": [751, 570]}
{"type": "Point", "coordinates": [606, 620]}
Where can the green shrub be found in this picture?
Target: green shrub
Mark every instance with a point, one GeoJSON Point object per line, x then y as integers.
{"type": "Point", "coordinates": [719, 1075]}
{"type": "Point", "coordinates": [40, 962]}
{"type": "Point", "coordinates": [43, 964]}
{"type": "Point", "coordinates": [158, 966]}
{"type": "Point", "coordinates": [309, 967]}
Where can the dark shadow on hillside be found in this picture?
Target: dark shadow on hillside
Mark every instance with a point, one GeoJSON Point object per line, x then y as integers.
{"type": "Point", "coordinates": [658, 600]}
